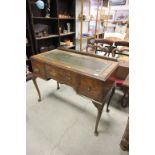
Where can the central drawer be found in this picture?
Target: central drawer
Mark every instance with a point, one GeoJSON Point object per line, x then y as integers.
{"type": "Point", "coordinates": [61, 75]}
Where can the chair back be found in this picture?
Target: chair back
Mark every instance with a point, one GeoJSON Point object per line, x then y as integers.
{"type": "Point", "coordinates": [122, 43]}
{"type": "Point", "coordinates": [122, 47]}
{"type": "Point", "coordinates": [104, 41]}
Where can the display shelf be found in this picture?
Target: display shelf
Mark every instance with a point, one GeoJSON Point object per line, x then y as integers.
{"type": "Point", "coordinates": [64, 34]}
{"type": "Point", "coordinates": [89, 37]}
{"type": "Point", "coordinates": [46, 37]}
{"type": "Point", "coordinates": [68, 46]}
{"type": "Point", "coordinates": [78, 20]}
{"type": "Point", "coordinates": [72, 18]}
{"type": "Point", "coordinates": [45, 18]}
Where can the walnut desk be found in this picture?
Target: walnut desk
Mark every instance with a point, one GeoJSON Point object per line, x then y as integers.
{"type": "Point", "coordinates": [88, 74]}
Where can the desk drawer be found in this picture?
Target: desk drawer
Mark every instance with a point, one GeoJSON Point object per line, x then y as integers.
{"type": "Point", "coordinates": [38, 69]}
{"type": "Point", "coordinates": [61, 75]}
{"type": "Point", "coordinates": [93, 89]}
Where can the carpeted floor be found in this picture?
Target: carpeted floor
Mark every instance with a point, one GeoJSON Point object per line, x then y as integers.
{"type": "Point", "coordinates": [63, 123]}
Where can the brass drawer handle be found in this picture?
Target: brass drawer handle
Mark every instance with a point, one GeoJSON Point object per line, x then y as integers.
{"type": "Point", "coordinates": [53, 73]}
{"type": "Point", "coordinates": [36, 70]}
{"type": "Point", "coordinates": [89, 88]}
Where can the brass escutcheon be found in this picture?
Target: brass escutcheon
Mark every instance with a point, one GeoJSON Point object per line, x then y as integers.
{"type": "Point", "coordinates": [89, 88]}
{"type": "Point", "coordinates": [36, 70]}
{"type": "Point", "coordinates": [53, 73]}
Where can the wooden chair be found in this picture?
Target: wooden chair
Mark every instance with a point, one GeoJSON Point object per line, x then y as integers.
{"type": "Point", "coordinates": [122, 48]}
{"type": "Point", "coordinates": [90, 45]}
{"type": "Point", "coordinates": [103, 45]}
{"type": "Point", "coordinates": [119, 82]}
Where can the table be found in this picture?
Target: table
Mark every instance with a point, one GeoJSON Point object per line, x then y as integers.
{"type": "Point", "coordinates": [89, 75]}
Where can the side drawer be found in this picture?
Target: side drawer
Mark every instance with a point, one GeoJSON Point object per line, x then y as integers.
{"type": "Point", "coordinates": [38, 69]}
{"type": "Point", "coordinates": [93, 88]}
{"type": "Point", "coordinates": [61, 75]}
{"type": "Point", "coordinates": [53, 72]}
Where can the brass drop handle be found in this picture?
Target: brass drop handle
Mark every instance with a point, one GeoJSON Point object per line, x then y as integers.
{"type": "Point", "coordinates": [36, 70]}
{"type": "Point", "coordinates": [89, 88]}
{"type": "Point", "coordinates": [53, 73]}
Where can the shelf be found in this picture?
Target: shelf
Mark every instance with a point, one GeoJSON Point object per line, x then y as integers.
{"type": "Point", "coordinates": [66, 18]}
{"type": "Point", "coordinates": [68, 46]}
{"type": "Point", "coordinates": [46, 18]}
{"type": "Point", "coordinates": [65, 34]}
{"type": "Point", "coordinates": [46, 37]}
{"type": "Point", "coordinates": [79, 20]}
{"type": "Point", "coordinates": [89, 37]}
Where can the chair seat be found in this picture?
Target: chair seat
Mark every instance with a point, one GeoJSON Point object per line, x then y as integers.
{"type": "Point", "coordinates": [119, 82]}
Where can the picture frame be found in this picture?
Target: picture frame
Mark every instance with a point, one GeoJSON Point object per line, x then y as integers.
{"type": "Point", "coordinates": [122, 15]}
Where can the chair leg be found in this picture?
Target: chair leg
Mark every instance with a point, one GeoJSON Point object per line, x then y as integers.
{"type": "Point", "coordinates": [58, 87]}
{"type": "Point", "coordinates": [112, 93]}
{"type": "Point", "coordinates": [123, 102]}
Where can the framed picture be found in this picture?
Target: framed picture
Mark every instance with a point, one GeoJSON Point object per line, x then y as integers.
{"type": "Point", "coordinates": [117, 2]}
{"type": "Point", "coordinates": [122, 15]}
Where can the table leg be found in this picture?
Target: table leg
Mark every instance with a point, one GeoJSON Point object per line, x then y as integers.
{"type": "Point", "coordinates": [110, 97]}
{"type": "Point", "coordinates": [99, 109]}
{"type": "Point", "coordinates": [58, 87]}
{"type": "Point", "coordinates": [36, 86]}
{"type": "Point", "coordinates": [126, 94]}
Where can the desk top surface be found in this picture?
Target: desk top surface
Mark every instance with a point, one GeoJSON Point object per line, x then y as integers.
{"type": "Point", "coordinates": [83, 63]}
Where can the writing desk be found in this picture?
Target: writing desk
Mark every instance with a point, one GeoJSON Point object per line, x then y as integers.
{"type": "Point", "coordinates": [88, 74]}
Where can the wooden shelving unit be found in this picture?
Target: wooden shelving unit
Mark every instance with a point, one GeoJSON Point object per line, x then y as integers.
{"type": "Point", "coordinates": [46, 37]}
{"type": "Point", "coordinates": [64, 34]}
{"type": "Point", "coordinates": [66, 18]}
{"type": "Point", "coordinates": [54, 28]}
{"type": "Point", "coordinates": [82, 38]}
{"type": "Point", "coordinates": [30, 42]}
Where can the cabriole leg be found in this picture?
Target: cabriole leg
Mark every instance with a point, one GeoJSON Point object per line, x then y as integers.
{"type": "Point", "coordinates": [99, 109]}
{"type": "Point", "coordinates": [36, 86]}
{"type": "Point", "coordinates": [112, 93]}
{"type": "Point", "coordinates": [58, 87]}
